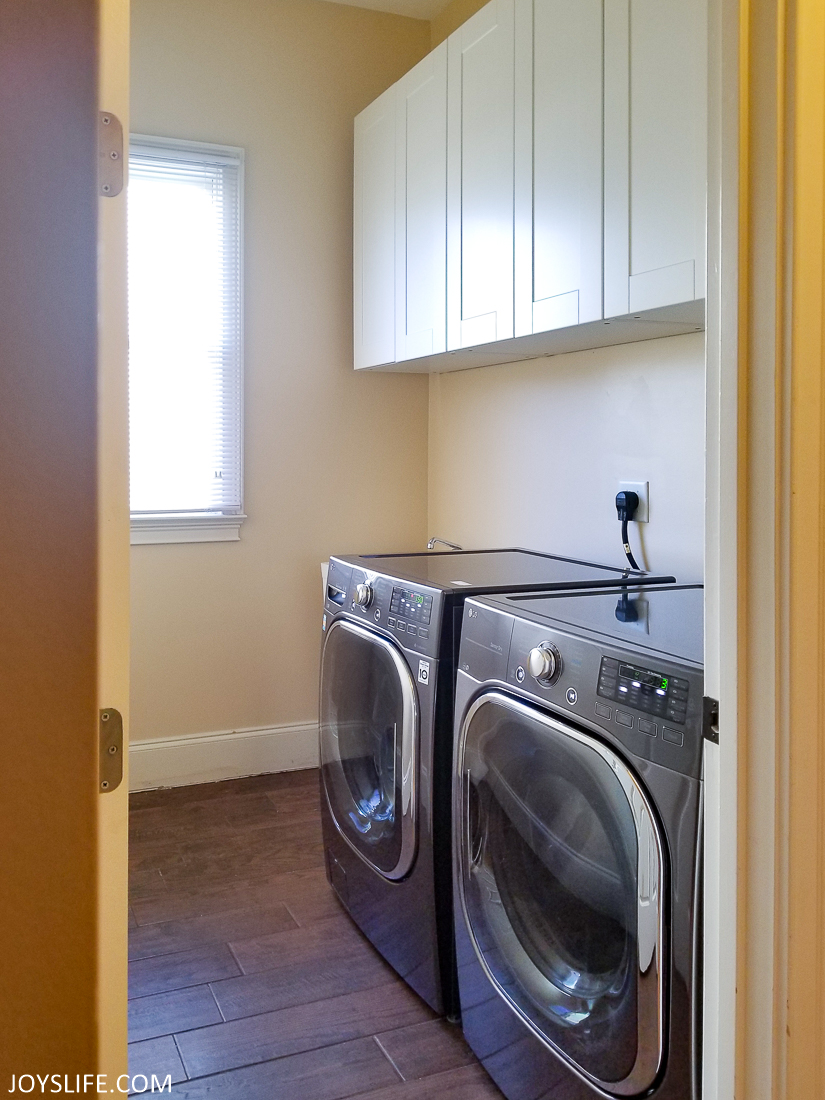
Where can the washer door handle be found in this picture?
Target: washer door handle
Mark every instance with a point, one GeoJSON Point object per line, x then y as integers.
{"type": "Point", "coordinates": [474, 839]}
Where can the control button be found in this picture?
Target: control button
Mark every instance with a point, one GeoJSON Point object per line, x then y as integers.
{"type": "Point", "coordinates": [377, 615]}
{"type": "Point", "coordinates": [624, 719]}
{"type": "Point", "coordinates": [603, 711]}
{"type": "Point", "coordinates": [520, 674]}
{"type": "Point", "coordinates": [572, 696]}
{"type": "Point", "coordinates": [678, 683]}
{"type": "Point", "coordinates": [544, 663]}
{"type": "Point", "coordinates": [411, 629]}
{"type": "Point", "coordinates": [423, 632]}
{"type": "Point", "coordinates": [673, 736]}
{"type": "Point", "coordinates": [608, 662]}
{"type": "Point", "coordinates": [363, 595]}
{"type": "Point", "coordinates": [647, 727]}
{"type": "Point", "coordinates": [401, 626]}
{"type": "Point", "coordinates": [390, 621]}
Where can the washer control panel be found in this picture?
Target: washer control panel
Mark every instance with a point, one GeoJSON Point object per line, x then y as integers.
{"type": "Point", "coordinates": [411, 606]}
{"type": "Point", "coordinates": [644, 689]}
{"type": "Point", "coordinates": [411, 615]}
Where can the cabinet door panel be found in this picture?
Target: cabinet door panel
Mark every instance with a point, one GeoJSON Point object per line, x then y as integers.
{"type": "Point", "coordinates": [655, 153]}
{"type": "Point", "coordinates": [567, 158]}
{"type": "Point", "coordinates": [666, 78]}
{"type": "Point", "coordinates": [374, 234]}
{"type": "Point", "coordinates": [421, 228]}
{"type": "Point", "coordinates": [480, 177]}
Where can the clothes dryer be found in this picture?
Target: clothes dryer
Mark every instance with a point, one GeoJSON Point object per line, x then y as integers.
{"type": "Point", "coordinates": [391, 633]}
{"type": "Point", "coordinates": [577, 825]}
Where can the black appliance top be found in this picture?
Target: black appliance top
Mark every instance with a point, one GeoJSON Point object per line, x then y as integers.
{"type": "Point", "coordinates": [664, 620]}
{"type": "Point", "coordinates": [511, 570]}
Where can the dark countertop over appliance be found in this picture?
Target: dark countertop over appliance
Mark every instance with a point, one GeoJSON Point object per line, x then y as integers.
{"type": "Point", "coordinates": [475, 571]}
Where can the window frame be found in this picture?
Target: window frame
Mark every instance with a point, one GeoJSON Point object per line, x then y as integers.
{"type": "Point", "coordinates": [200, 526]}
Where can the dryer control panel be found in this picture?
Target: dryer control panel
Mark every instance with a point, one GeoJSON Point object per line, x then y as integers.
{"type": "Point", "coordinates": [644, 689]}
{"type": "Point", "coordinates": [648, 702]}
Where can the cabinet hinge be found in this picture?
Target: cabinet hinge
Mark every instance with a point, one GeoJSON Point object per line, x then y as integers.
{"type": "Point", "coordinates": [710, 720]}
{"type": "Point", "coordinates": [111, 750]}
{"type": "Point", "coordinates": [109, 155]}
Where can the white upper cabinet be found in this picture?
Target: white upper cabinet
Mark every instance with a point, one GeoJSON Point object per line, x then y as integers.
{"type": "Point", "coordinates": [421, 208]}
{"type": "Point", "coordinates": [374, 234]}
{"type": "Point", "coordinates": [480, 141]}
{"type": "Point", "coordinates": [535, 185]}
{"type": "Point", "coordinates": [655, 153]}
{"type": "Point", "coordinates": [558, 169]}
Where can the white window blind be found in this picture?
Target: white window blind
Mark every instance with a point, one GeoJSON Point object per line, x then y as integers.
{"type": "Point", "coordinates": [185, 339]}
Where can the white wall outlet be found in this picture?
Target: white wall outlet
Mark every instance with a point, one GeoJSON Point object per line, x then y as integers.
{"type": "Point", "coordinates": [642, 491]}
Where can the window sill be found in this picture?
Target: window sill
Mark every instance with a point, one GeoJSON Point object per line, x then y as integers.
{"type": "Point", "coordinates": [147, 529]}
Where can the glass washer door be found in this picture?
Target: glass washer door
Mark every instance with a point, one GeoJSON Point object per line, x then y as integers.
{"type": "Point", "coordinates": [561, 875]}
{"type": "Point", "coordinates": [369, 732]}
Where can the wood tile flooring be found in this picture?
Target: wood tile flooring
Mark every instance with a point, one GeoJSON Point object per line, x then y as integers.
{"type": "Point", "coordinates": [248, 980]}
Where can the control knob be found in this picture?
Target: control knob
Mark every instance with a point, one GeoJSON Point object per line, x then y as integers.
{"type": "Point", "coordinates": [544, 663]}
{"type": "Point", "coordinates": [363, 595]}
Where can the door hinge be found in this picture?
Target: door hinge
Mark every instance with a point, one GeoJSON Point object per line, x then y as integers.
{"type": "Point", "coordinates": [111, 750]}
{"type": "Point", "coordinates": [109, 155]}
{"type": "Point", "coordinates": [710, 720]}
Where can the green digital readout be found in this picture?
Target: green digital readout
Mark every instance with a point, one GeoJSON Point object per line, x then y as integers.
{"type": "Point", "coordinates": [644, 677]}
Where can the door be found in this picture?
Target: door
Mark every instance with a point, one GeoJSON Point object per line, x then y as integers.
{"type": "Point", "coordinates": [655, 159]}
{"type": "Point", "coordinates": [558, 167]}
{"type": "Point", "coordinates": [480, 98]}
{"type": "Point", "coordinates": [373, 286]}
{"type": "Point", "coordinates": [64, 625]}
{"type": "Point", "coordinates": [561, 874]}
{"type": "Point", "coordinates": [369, 733]}
{"type": "Point", "coordinates": [421, 208]}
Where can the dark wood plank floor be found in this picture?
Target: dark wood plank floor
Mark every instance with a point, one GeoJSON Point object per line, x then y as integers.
{"type": "Point", "coordinates": [248, 980]}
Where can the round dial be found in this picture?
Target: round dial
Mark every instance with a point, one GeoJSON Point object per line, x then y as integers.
{"type": "Point", "coordinates": [363, 595]}
{"type": "Point", "coordinates": [544, 662]}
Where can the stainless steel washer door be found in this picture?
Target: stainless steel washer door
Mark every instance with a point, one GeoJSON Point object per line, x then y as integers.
{"type": "Point", "coordinates": [561, 874]}
{"type": "Point", "coordinates": [369, 733]}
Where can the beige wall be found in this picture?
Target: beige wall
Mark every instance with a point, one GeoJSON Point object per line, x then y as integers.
{"type": "Point", "coordinates": [529, 454]}
{"type": "Point", "coordinates": [451, 17]}
{"type": "Point", "coordinates": [225, 635]}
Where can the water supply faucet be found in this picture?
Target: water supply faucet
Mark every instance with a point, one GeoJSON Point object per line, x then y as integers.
{"type": "Point", "coordinates": [451, 545]}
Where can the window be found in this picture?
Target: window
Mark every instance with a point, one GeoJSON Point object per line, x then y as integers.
{"type": "Point", "coordinates": [185, 341]}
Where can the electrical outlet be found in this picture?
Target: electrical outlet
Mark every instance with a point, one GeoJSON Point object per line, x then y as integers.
{"type": "Point", "coordinates": [642, 491]}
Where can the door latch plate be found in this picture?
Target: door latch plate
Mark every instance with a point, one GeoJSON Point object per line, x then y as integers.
{"type": "Point", "coordinates": [710, 720]}
{"type": "Point", "coordinates": [111, 750]}
{"type": "Point", "coordinates": [109, 155]}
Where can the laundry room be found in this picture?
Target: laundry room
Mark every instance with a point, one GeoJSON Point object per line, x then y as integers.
{"type": "Point", "coordinates": [225, 634]}
{"type": "Point", "coordinates": [427, 441]}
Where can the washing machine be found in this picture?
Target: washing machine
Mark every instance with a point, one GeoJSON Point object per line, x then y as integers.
{"type": "Point", "coordinates": [577, 826]}
{"type": "Point", "coordinates": [391, 632]}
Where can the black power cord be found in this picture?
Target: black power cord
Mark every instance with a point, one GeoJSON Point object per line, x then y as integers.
{"type": "Point", "coordinates": [626, 505]}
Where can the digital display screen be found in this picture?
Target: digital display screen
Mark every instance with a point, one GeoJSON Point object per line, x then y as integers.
{"type": "Point", "coordinates": [644, 689]}
{"type": "Point", "coordinates": [415, 607]}
{"type": "Point", "coordinates": [643, 676]}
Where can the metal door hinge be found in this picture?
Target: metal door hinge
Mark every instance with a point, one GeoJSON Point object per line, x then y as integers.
{"type": "Point", "coordinates": [109, 155]}
{"type": "Point", "coordinates": [710, 720]}
{"type": "Point", "coordinates": [111, 750]}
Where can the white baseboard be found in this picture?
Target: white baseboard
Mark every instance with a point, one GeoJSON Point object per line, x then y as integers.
{"type": "Point", "coordinates": [228, 754]}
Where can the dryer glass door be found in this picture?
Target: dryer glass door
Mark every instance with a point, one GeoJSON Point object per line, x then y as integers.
{"type": "Point", "coordinates": [368, 741]}
{"type": "Point", "coordinates": [561, 872]}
